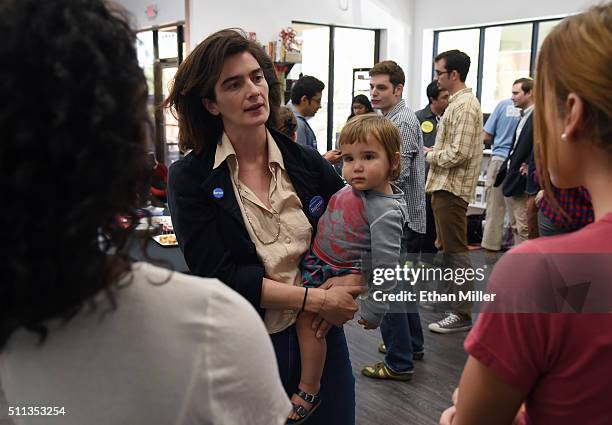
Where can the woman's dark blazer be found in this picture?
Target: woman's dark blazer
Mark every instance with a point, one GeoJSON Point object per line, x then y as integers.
{"type": "Point", "coordinates": [210, 229]}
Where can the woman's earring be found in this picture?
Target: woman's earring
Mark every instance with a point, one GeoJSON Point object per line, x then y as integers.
{"type": "Point", "coordinates": [564, 137]}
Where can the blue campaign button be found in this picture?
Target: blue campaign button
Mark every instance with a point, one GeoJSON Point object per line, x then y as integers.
{"type": "Point", "coordinates": [316, 207]}
{"type": "Point", "coordinates": [218, 192]}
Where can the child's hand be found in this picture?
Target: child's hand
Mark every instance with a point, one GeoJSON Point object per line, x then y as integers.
{"type": "Point", "coordinates": [366, 325]}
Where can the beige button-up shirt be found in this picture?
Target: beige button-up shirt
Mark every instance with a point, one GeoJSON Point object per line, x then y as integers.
{"type": "Point", "coordinates": [280, 258]}
{"type": "Point", "coordinates": [457, 155]}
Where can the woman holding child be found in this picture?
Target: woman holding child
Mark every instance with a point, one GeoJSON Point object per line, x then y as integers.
{"type": "Point", "coordinates": [245, 203]}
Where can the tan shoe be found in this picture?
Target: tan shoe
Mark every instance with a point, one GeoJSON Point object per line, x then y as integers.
{"type": "Point", "coordinates": [381, 371]}
{"type": "Point", "coordinates": [416, 355]}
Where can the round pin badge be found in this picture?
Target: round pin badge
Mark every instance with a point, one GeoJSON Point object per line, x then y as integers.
{"type": "Point", "coordinates": [316, 206]}
{"type": "Point", "coordinates": [218, 192]}
{"type": "Point", "coordinates": [427, 127]}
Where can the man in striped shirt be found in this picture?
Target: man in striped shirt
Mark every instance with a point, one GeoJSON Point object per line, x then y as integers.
{"type": "Point", "coordinates": [401, 331]}
{"type": "Point", "coordinates": [455, 162]}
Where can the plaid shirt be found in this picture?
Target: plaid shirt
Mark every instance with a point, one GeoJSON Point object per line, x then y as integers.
{"type": "Point", "coordinates": [412, 174]}
{"type": "Point", "coordinates": [575, 202]}
{"type": "Point", "coordinates": [457, 155]}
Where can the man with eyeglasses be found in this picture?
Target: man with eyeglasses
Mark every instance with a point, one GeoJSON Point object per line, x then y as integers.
{"type": "Point", "coordinates": [455, 162]}
{"type": "Point", "coordinates": [306, 96]}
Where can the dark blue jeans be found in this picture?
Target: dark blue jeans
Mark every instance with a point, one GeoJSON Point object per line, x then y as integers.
{"type": "Point", "coordinates": [337, 384]}
{"type": "Point", "coordinates": [402, 334]}
{"type": "Point", "coordinates": [401, 331]}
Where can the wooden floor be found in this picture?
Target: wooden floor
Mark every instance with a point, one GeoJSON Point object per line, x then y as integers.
{"type": "Point", "coordinates": [419, 401]}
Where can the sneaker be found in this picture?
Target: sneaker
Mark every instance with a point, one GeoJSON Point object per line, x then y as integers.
{"type": "Point", "coordinates": [416, 355]}
{"type": "Point", "coordinates": [436, 306]}
{"type": "Point", "coordinates": [428, 305]}
{"type": "Point", "coordinates": [451, 324]}
{"type": "Point", "coordinates": [381, 371]}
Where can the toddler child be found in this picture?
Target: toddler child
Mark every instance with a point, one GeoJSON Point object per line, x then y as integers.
{"type": "Point", "coordinates": [362, 228]}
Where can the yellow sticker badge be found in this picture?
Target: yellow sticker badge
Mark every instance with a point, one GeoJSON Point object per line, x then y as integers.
{"type": "Point", "coordinates": [427, 127]}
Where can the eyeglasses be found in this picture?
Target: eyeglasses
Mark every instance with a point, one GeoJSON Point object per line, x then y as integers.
{"type": "Point", "coordinates": [438, 72]}
{"type": "Point", "coordinates": [315, 100]}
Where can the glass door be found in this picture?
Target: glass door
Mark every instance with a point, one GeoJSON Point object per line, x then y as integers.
{"type": "Point", "coordinates": [160, 52]}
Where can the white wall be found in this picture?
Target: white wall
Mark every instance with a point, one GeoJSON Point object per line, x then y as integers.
{"type": "Point", "coordinates": [441, 14]}
{"type": "Point", "coordinates": [267, 17]}
{"type": "Point", "coordinates": [409, 24]}
{"type": "Point", "coordinates": [168, 11]}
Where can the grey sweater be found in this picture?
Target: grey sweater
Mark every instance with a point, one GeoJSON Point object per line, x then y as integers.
{"type": "Point", "coordinates": [363, 230]}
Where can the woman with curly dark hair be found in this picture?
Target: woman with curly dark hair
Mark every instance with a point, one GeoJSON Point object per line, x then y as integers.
{"type": "Point", "coordinates": [87, 336]}
{"type": "Point", "coordinates": [245, 203]}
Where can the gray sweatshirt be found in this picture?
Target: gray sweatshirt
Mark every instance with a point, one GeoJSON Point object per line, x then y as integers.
{"type": "Point", "coordinates": [363, 230]}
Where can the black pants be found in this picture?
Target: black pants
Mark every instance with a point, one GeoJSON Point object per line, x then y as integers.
{"type": "Point", "coordinates": [428, 248]}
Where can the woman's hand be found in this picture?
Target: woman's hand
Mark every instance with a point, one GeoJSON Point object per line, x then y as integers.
{"type": "Point", "coordinates": [449, 414]}
{"type": "Point", "coordinates": [338, 305]}
{"type": "Point", "coordinates": [538, 199]}
{"type": "Point", "coordinates": [485, 399]}
{"type": "Point", "coordinates": [351, 282]}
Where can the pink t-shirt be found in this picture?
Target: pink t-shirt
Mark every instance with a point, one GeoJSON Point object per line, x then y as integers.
{"type": "Point", "coordinates": [561, 361]}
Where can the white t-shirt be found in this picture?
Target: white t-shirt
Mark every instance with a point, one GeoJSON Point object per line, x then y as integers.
{"type": "Point", "coordinates": [188, 351]}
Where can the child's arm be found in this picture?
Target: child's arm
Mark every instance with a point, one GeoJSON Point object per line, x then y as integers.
{"type": "Point", "coordinates": [386, 229]}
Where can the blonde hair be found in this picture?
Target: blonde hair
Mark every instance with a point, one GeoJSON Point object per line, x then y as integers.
{"type": "Point", "coordinates": [574, 58]}
{"type": "Point", "coordinates": [384, 131]}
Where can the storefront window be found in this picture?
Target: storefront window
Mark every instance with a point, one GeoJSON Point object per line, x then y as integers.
{"type": "Point", "coordinates": [347, 58]}
{"type": "Point", "coordinates": [468, 41]}
{"type": "Point", "coordinates": [507, 55]}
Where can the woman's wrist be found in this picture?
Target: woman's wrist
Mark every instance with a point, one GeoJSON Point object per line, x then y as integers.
{"type": "Point", "coordinates": [315, 300]}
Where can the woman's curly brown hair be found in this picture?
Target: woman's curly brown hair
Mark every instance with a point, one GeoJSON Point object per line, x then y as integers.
{"type": "Point", "coordinates": [72, 155]}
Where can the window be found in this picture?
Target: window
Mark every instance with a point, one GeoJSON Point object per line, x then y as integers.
{"type": "Point", "coordinates": [499, 53]}
{"type": "Point", "coordinates": [468, 41]}
{"type": "Point", "coordinates": [146, 59]}
{"type": "Point", "coordinates": [351, 48]}
{"type": "Point", "coordinates": [346, 58]}
{"type": "Point", "coordinates": [507, 55]}
{"type": "Point", "coordinates": [544, 29]}
{"type": "Point", "coordinates": [160, 51]}
{"type": "Point", "coordinates": [315, 62]}
{"type": "Point", "coordinates": [168, 43]}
